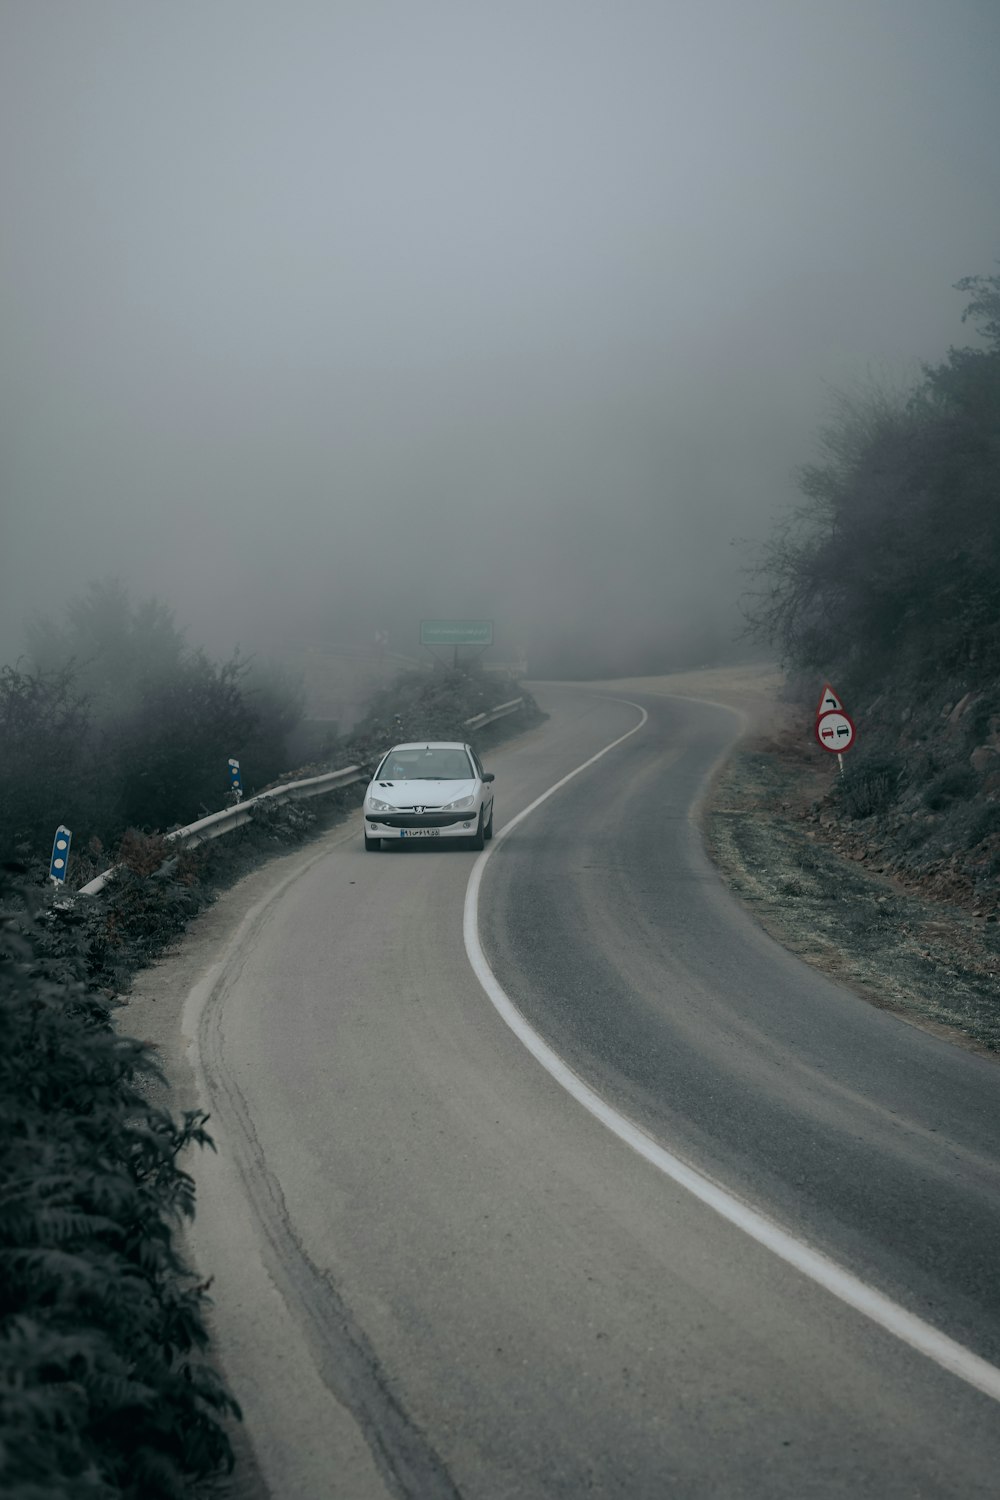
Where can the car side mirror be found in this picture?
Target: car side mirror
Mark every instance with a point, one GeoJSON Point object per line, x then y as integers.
{"type": "Point", "coordinates": [488, 776]}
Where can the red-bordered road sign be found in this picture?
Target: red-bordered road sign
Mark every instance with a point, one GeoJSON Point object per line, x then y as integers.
{"type": "Point", "coordinates": [829, 702]}
{"type": "Point", "coordinates": [835, 731]}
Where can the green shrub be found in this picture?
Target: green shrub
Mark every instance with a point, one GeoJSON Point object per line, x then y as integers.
{"type": "Point", "coordinates": [434, 706]}
{"type": "Point", "coordinates": [869, 787]}
{"type": "Point", "coordinates": [103, 1388]}
{"type": "Point", "coordinates": [915, 833]}
{"type": "Point", "coordinates": [953, 784]}
{"type": "Point", "coordinates": [983, 822]}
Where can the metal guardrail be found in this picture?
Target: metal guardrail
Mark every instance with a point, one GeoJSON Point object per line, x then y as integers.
{"type": "Point", "coordinates": [218, 823]}
{"type": "Point", "coordinates": [493, 713]}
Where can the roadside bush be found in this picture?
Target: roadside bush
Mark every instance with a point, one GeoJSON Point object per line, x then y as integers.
{"type": "Point", "coordinates": [283, 822]}
{"type": "Point", "coordinates": [950, 785]}
{"type": "Point", "coordinates": [983, 823]}
{"type": "Point", "coordinates": [915, 833]}
{"type": "Point", "coordinates": [149, 903]}
{"type": "Point", "coordinates": [434, 706]}
{"type": "Point", "coordinates": [869, 788]}
{"type": "Point", "coordinates": [103, 1388]}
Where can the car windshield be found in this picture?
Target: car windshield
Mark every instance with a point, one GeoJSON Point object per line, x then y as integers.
{"type": "Point", "coordinates": [425, 763]}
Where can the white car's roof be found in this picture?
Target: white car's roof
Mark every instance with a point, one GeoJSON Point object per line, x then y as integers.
{"type": "Point", "coordinates": [430, 745]}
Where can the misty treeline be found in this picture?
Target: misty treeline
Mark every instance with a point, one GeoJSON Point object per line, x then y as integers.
{"type": "Point", "coordinates": [889, 567]}
{"type": "Point", "coordinates": [112, 721]}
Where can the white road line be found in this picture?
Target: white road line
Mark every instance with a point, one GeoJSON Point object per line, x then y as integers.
{"type": "Point", "coordinates": [896, 1320]}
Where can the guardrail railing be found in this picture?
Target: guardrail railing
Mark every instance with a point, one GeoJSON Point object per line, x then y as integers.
{"type": "Point", "coordinates": [218, 823]}
{"type": "Point", "coordinates": [479, 720]}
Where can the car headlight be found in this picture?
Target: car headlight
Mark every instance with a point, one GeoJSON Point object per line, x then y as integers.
{"type": "Point", "coordinates": [458, 803]}
{"type": "Point", "coordinates": [375, 805]}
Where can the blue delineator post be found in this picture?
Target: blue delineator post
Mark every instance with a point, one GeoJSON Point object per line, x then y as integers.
{"type": "Point", "coordinates": [60, 854]}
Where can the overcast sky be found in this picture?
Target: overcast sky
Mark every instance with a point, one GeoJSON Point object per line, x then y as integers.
{"type": "Point", "coordinates": [318, 317]}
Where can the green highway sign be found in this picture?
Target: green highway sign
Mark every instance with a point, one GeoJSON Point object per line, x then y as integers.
{"type": "Point", "coordinates": [456, 632]}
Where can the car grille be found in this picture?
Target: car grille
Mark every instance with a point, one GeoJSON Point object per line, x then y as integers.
{"type": "Point", "coordinates": [422, 820]}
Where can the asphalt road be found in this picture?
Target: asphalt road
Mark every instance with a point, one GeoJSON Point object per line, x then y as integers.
{"type": "Point", "coordinates": [437, 1274]}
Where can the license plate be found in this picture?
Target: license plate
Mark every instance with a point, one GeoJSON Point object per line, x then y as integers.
{"type": "Point", "coordinates": [420, 833]}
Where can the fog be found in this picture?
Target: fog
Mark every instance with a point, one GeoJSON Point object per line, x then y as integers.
{"type": "Point", "coordinates": [322, 317]}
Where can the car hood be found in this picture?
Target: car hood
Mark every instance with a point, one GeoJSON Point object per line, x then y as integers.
{"type": "Point", "coordinates": [420, 793]}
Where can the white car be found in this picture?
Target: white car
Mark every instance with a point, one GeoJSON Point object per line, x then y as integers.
{"type": "Point", "coordinates": [435, 790]}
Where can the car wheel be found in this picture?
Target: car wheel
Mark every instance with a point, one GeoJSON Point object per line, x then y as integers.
{"type": "Point", "coordinates": [478, 838]}
{"type": "Point", "coordinates": [488, 830]}
{"type": "Point", "coordinates": [372, 846]}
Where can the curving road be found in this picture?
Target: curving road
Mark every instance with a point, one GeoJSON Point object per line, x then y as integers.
{"type": "Point", "coordinates": [439, 1274]}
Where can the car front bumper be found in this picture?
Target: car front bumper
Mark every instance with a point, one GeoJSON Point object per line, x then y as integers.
{"type": "Point", "coordinates": [434, 825]}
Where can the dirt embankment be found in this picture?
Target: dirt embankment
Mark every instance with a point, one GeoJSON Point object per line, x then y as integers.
{"type": "Point", "coordinates": [918, 937]}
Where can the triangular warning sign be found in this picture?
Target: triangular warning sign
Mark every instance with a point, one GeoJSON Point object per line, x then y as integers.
{"type": "Point", "coordinates": [829, 702]}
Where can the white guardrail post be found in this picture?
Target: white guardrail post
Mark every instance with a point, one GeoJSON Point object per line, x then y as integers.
{"type": "Point", "coordinates": [219, 823]}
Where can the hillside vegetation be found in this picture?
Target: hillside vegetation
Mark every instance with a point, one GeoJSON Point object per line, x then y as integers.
{"type": "Point", "coordinates": [113, 721]}
{"type": "Point", "coordinates": [885, 582]}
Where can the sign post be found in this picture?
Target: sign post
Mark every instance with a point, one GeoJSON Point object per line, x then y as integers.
{"type": "Point", "coordinates": [235, 784]}
{"type": "Point", "coordinates": [835, 729]}
{"type": "Point", "coordinates": [60, 855]}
